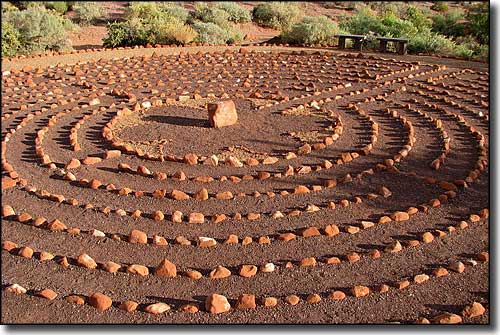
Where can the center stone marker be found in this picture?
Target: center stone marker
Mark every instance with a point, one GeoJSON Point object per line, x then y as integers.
{"type": "Point", "coordinates": [222, 113]}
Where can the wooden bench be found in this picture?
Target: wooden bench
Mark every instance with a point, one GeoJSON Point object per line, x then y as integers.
{"type": "Point", "coordinates": [358, 40]}
{"type": "Point", "coordinates": [401, 44]}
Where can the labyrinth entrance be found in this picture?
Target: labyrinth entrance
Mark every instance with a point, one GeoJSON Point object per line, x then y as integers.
{"type": "Point", "coordinates": [352, 189]}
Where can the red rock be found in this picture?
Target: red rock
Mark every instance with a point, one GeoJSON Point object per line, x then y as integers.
{"type": "Point", "coordinates": [248, 271]}
{"type": "Point", "coordinates": [384, 191]}
{"type": "Point", "coordinates": [47, 294]}
{"type": "Point", "coordinates": [457, 266]}
{"type": "Point", "coordinates": [111, 267]}
{"type": "Point", "coordinates": [419, 279]}
{"type": "Point", "coordinates": [440, 272]}
{"type": "Point", "coordinates": [233, 161]}
{"type": "Point", "coordinates": [9, 246]}
{"type": "Point", "coordinates": [394, 247]}
{"type": "Point", "coordinates": [220, 272]}
{"type": "Point", "coordinates": [427, 237]}
{"type": "Point", "coordinates": [112, 154]}
{"type": "Point", "coordinates": [190, 308]}
{"type": "Point", "coordinates": [232, 239]}
{"type": "Point", "coordinates": [292, 299]}
{"type": "Point", "coordinates": [158, 215]}
{"type": "Point", "coordinates": [313, 298]}
{"type": "Point", "coordinates": [216, 303]}
{"type": "Point", "coordinates": [138, 269]}
{"type": "Point", "coordinates": [166, 269]}
{"type": "Point", "coordinates": [473, 310]}
{"type": "Point", "coordinates": [196, 218]}
{"type": "Point", "coordinates": [193, 274]}
{"type": "Point", "coordinates": [353, 257]}
{"type": "Point", "coordinates": [191, 159]}
{"type": "Point", "coordinates": [75, 299]}
{"type": "Point", "coordinates": [308, 261]}
{"type": "Point", "coordinates": [246, 301]}
{"type": "Point", "coordinates": [26, 252]}
{"type": "Point", "coordinates": [16, 288]}
{"type": "Point", "coordinates": [483, 256]}
{"type": "Point", "coordinates": [177, 216]}
{"type": "Point", "coordinates": [91, 160]}
{"type": "Point", "coordinates": [222, 114]}
{"type": "Point", "coordinates": [400, 216]}
{"type": "Point", "coordinates": [447, 318]}
{"type": "Point", "coordinates": [7, 211]}
{"type": "Point", "coordinates": [402, 284]}
{"type": "Point", "coordinates": [129, 306]}
{"type": "Point", "coordinates": [86, 261]}
{"type": "Point", "coordinates": [201, 194]}
{"type": "Point", "coordinates": [206, 241]}
{"type": "Point", "coordinates": [100, 301]}
{"type": "Point", "coordinates": [137, 236]}
{"type": "Point", "coordinates": [179, 176]}
{"type": "Point", "coordinates": [8, 183]}
{"type": "Point", "coordinates": [24, 217]}
{"type": "Point", "coordinates": [179, 195]}
{"type": "Point", "coordinates": [269, 302]}
{"type": "Point", "coordinates": [286, 237]}
{"type": "Point", "coordinates": [157, 308]}
{"type": "Point", "coordinates": [45, 256]}
{"type": "Point", "coordinates": [337, 295]}
{"type": "Point", "coordinates": [331, 230]}
{"type": "Point", "coordinates": [311, 231]}
{"type": "Point", "coordinates": [301, 190]}
{"type": "Point", "coordinates": [360, 291]}
{"type": "Point", "coordinates": [56, 225]}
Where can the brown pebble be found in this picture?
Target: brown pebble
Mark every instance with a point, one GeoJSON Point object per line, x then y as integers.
{"type": "Point", "coordinates": [246, 301]}
{"type": "Point", "coordinates": [473, 310]}
{"type": "Point", "coordinates": [360, 291]}
{"type": "Point", "coordinates": [75, 299]}
{"type": "Point", "coordinates": [26, 252]}
{"type": "Point", "coordinates": [216, 303]}
{"type": "Point", "coordinates": [47, 294]}
{"type": "Point", "coordinates": [138, 269]}
{"type": "Point", "coordinates": [447, 318]}
{"type": "Point", "coordinates": [269, 302]}
{"type": "Point", "coordinates": [100, 301]}
{"type": "Point", "coordinates": [292, 299]}
{"type": "Point", "coordinates": [248, 271]}
{"type": "Point", "coordinates": [313, 298]}
{"type": "Point", "coordinates": [337, 295]}
{"type": "Point", "coordinates": [129, 306]}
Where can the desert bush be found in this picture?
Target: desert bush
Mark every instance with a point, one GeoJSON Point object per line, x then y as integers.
{"type": "Point", "coordinates": [468, 47]}
{"type": "Point", "coordinates": [59, 6]}
{"type": "Point", "coordinates": [450, 24]}
{"type": "Point", "coordinates": [28, 4]}
{"type": "Point", "coordinates": [10, 40]}
{"type": "Point", "coordinates": [179, 12]}
{"type": "Point", "coordinates": [142, 10]}
{"type": "Point", "coordinates": [88, 12]}
{"type": "Point", "coordinates": [39, 30]}
{"type": "Point", "coordinates": [440, 6]}
{"type": "Point", "coordinates": [278, 15]}
{"type": "Point", "coordinates": [312, 30]}
{"type": "Point", "coordinates": [478, 16]}
{"type": "Point", "coordinates": [212, 33]}
{"type": "Point", "coordinates": [431, 43]}
{"type": "Point", "coordinates": [163, 30]}
{"type": "Point", "coordinates": [211, 14]}
{"type": "Point", "coordinates": [237, 14]}
{"type": "Point", "coordinates": [7, 6]}
{"type": "Point", "coordinates": [418, 18]}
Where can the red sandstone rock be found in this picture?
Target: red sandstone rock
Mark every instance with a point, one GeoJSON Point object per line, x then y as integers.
{"type": "Point", "coordinates": [222, 114]}
{"type": "Point", "coordinates": [166, 269]}
{"type": "Point", "coordinates": [100, 301]}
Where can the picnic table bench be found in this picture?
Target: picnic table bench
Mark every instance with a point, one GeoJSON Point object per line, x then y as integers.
{"type": "Point", "coordinates": [358, 40]}
{"type": "Point", "coordinates": [401, 44]}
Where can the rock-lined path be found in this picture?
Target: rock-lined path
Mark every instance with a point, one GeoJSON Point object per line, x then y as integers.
{"type": "Point", "coordinates": [353, 189]}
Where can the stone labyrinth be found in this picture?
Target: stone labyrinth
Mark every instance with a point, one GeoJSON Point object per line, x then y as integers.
{"type": "Point", "coordinates": [352, 189]}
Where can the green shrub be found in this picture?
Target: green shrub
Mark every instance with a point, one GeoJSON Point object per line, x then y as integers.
{"type": "Point", "coordinates": [59, 6]}
{"type": "Point", "coordinates": [211, 14]}
{"type": "Point", "coordinates": [431, 43]}
{"type": "Point", "coordinates": [166, 30]}
{"type": "Point", "coordinates": [312, 30]}
{"type": "Point", "coordinates": [214, 34]}
{"type": "Point", "coordinates": [28, 4]}
{"type": "Point", "coordinates": [10, 40]}
{"type": "Point", "coordinates": [142, 10]}
{"type": "Point", "coordinates": [7, 6]}
{"type": "Point", "coordinates": [450, 24]}
{"type": "Point", "coordinates": [128, 33]}
{"type": "Point", "coordinates": [440, 6]}
{"type": "Point", "coordinates": [88, 12]}
{"type": "Point", "coordinates": [418, 18]}
{"type": "Point", "coordinates": [180, 13]}
{"type": "Point", "coordinates": [277, 15]}
{"type": "Point", "coordinates": [478, 16]}
{"type": "Point", "coordinates": [468, 47]}
{"type": "Point", "coordinates": [237, 14]}
{"type": "Point", "coordinates": [39, 30]}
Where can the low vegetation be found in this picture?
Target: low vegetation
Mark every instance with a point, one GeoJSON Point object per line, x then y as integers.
{"type": "Point", "coordinates": [277, 15]}
{"type": "Point", "coordinates": [88, 12]}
